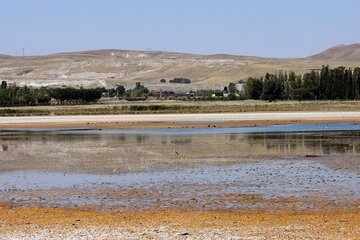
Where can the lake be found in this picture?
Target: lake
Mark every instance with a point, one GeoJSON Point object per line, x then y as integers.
{"type": "Point", "coordinates": [272, 167]}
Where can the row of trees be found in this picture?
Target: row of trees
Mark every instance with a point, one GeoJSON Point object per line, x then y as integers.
{"type": "Point", "coordinates": [76, 95]}
{"type": "Point", "coordinates": [14, 95]}
{"type": "Point", "coordinates": [139, 91]}
{"type": "Point", "coordinates": [327, 84]}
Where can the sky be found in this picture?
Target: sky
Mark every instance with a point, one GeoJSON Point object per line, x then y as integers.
{"type": "Point", "coordinates": [267, 28]}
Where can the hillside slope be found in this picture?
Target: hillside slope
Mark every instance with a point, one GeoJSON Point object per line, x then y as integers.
{"type": "Point", "coordinates": [109, 67]}
{"type": "Point", "coordinates": [344, 53]}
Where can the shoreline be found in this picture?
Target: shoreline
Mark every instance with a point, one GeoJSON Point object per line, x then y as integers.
{"type": "Point", "coordinates": [163, 121]}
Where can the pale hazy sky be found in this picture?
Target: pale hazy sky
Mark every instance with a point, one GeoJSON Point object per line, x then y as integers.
{"type": "Point", "coordinates": [269, 28]}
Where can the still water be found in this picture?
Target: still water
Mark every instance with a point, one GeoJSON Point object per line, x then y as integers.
{"type": "Point", "coordinates": [148, 168]}
{"type": "Point", "coordinates": [127, 151]}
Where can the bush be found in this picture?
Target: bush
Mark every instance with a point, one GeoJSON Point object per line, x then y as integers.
{"type": "Point", "coordinates": [138, 92]}
{"type": "Point", "coordinates": [181, 80]}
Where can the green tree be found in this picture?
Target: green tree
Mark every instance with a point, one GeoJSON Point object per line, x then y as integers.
{"type": "Point", "coordinates": [232, 91]}
{"type": "Point", "coordinates": [138, 91]}
{"type": "Point", "coordinates": [3, 85]}
{"type": "Point", "coordinates": [311, 85]}
{"type": "Point", "coordinates": [232, 88]}
{"type": "Point", "coordinates": [356, 83]}
{"type": "Point", "coordinates": [273, 88]}
{"type": "Point", "coordinates": [349, 84]}
{"type": "Point", "coordinates": [338, 83]}
{"type": "Point", "coordinates": [253, 88]}
{"type": "Point", "coordinates": [120, 91]}
{"type": "Point", "coordinates": [325, 83]}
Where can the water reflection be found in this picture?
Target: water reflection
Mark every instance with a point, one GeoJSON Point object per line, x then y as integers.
{"type": "Point", "coordinates": [116, 153]}
{"type": "Point", "coordinates": [320, 142]}
{"type": "Point", "coordinates": [324, 143]}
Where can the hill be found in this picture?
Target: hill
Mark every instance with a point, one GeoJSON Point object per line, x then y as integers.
{"type": "Point", "coordinates": [340, 53]}
{"type": "Point", "coordinates": [111, 66]}
{"type": "Point", "coordinates": [4, 56]}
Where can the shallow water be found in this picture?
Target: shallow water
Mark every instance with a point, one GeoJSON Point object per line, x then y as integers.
{"type": "Point", "coordinates": [268, 180]}
{"type": "Point", "coordinates": [212, 129]}
{"type": "Point", "coordinates": [274, 176]}
{"type": "Point", "coordinates": [166, 168]}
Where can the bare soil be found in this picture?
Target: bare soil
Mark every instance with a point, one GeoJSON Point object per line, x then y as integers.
{"type": "Point", "coordinates": [40, 223]}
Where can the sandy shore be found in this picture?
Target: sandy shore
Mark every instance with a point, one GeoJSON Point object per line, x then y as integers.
{"type": "Point", "coordinates": [179, 120]}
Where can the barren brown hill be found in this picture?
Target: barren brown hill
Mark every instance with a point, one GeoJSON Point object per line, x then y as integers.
{"type": "Point", "coordinates": [110, 67]}
{"type": "Point", "coordinates": [345, 53]}
{"type": "Point", "coordinates": [4, 56]}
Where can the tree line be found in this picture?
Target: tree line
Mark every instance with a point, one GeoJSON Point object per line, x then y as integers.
{"type": "Point", "coordinates": [139, 91]}
{"type": "Point", "coordinates": [325, 84]}
{"type": "Point", "coordinates": [12, 95]}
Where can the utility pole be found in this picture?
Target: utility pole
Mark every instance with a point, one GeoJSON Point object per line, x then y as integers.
{"type": "Point", "coordinates": [23, 52]}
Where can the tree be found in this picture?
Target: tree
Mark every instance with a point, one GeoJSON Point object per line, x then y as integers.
{"type": "Point", "coordinates": [120, 90]}
{"type": "Point", "coordinates": [311, 85]}
{"type": "Point", "coordinates": [3, 85]}
{"type": "Point", "coordinates": [76, 96]}
{"type": "Point", "coordinates": [325, 83]}
{"type": "Point", "coordinates": [273, 88]}
{"type": "Point", "coordinates": [232, 88]}
{"type": "Point", "coordinates": [232, 91]}
{"type": "Point", "coordinates": [349, 94]}
{"type": "Point", "coordinates": [181, 80]}
{"type": "Point", "coordinates": [293, 82]}
{"type": "Point", "coordinates": [253, 88]}
{"type": "Point", "coordinates": [138, 91]}
{"type": "Point", "coordinates": [356, 83]}
{"type": "Point", "coordinates": [281, 78]}
{"type": "Point", "coordinates": [338, 83]}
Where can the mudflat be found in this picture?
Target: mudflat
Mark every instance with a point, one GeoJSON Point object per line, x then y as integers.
{"type": "Point", "coordinates": [270, 182]}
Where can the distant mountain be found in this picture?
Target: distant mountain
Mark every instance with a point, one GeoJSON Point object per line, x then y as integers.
{"type": "Point", "coordinates": [4, 56]}
{"type": "Point", "coordinates": [348, 53]}
{"type": "Point", "coordinates": [112, 66]}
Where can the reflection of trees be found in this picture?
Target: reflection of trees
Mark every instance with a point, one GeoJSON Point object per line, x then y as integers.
{"type": "Point", "coordinates": [183, 141]}
{"type": "Point", "coordinates": [47, 137]}
{"type": "Point", "coordinates": [276, 140]}
{"type": "Point", "coordinates": [317, 143]}
{"type": "Point", "coordinates": [326, 143]}
{"type": "Point", "coordinates": [233, 136]}
{"type": "Point", "coordinates": [53, 137]}
{"type": "Point", "coordinates": [176, 139]}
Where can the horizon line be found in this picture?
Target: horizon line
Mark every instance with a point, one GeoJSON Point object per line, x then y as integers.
{"type": "Point", "coordinates": [166, 51]}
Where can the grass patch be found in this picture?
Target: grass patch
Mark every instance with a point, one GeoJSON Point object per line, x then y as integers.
{"type": "Point", "coordinates": [183, 107]}
{"type": "Point", "coordinates": [23, 112]}
{"type": "Point", "coordinates": [159, 108]}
